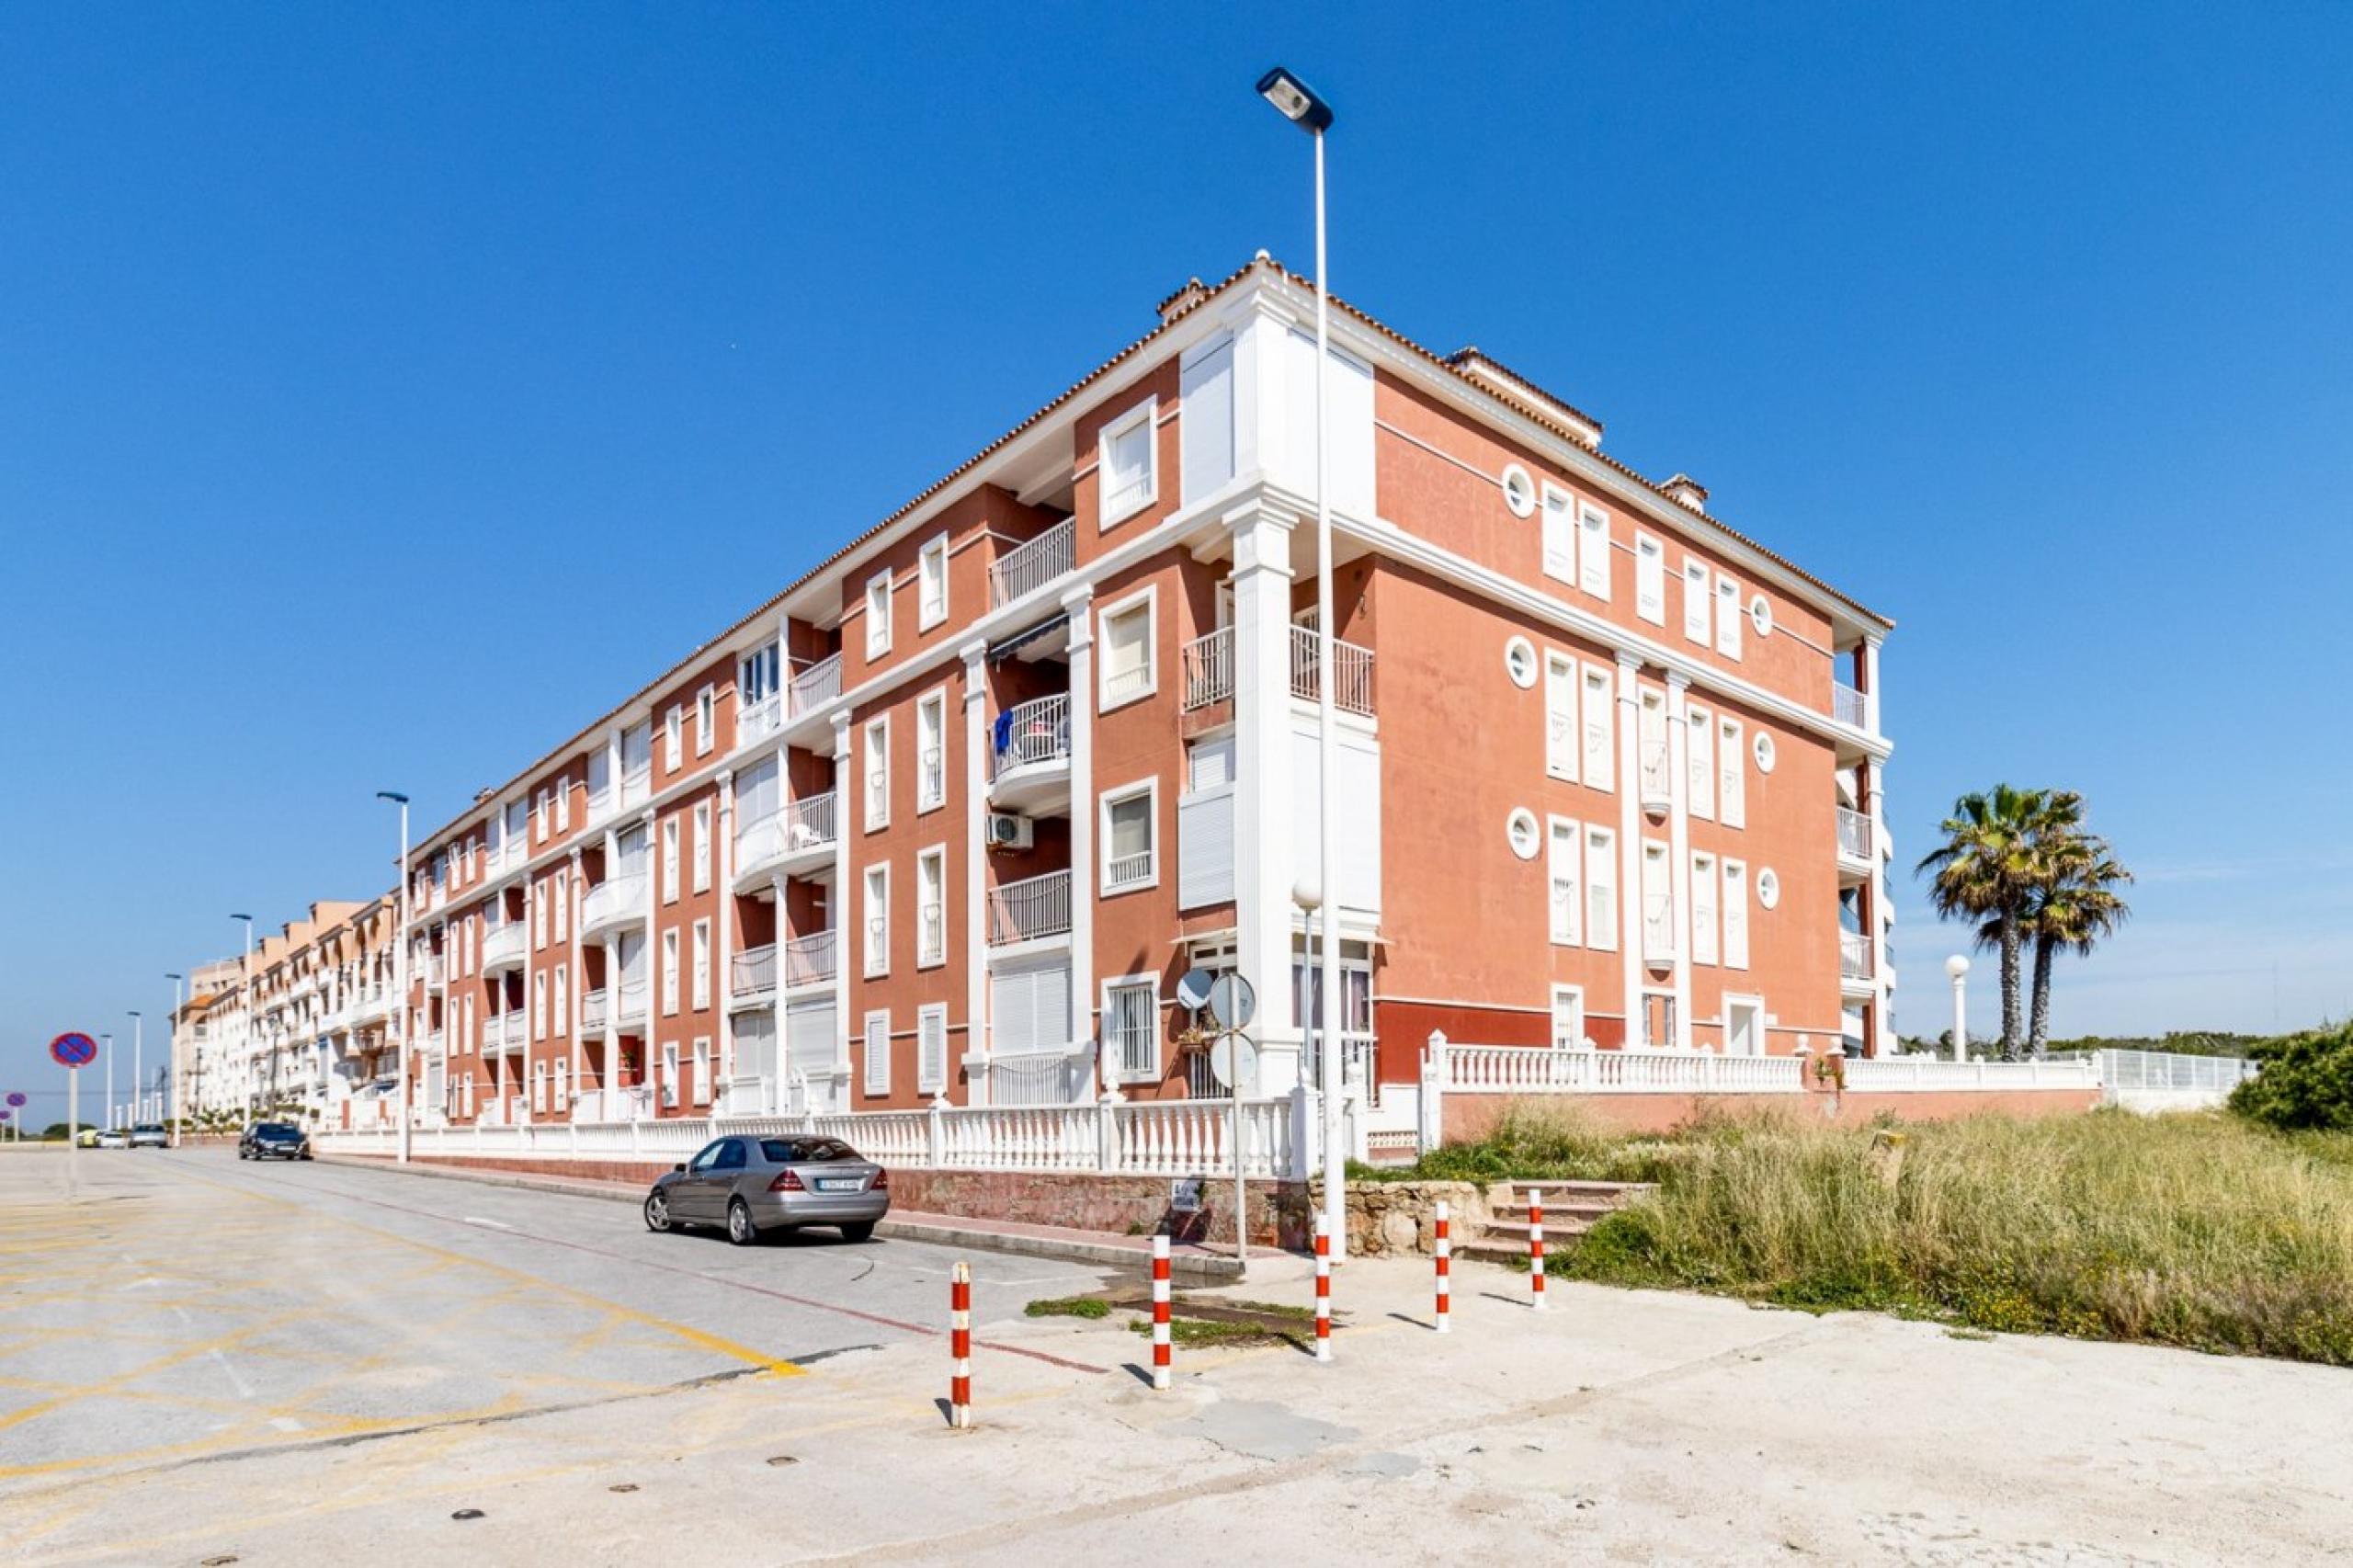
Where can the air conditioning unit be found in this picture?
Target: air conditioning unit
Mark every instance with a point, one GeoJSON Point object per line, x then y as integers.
{"type": "Point", "coordinates": [1007, 831]}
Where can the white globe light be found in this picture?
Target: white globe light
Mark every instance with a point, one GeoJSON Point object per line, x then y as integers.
{"type": "Point", "coordinates": [1955, 966]}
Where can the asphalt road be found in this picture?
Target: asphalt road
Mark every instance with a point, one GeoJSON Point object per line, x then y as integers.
{"type": "Point", "coordinates": [185, 1305]}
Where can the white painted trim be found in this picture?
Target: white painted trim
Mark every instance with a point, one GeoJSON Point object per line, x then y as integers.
{"type": "Point", "coordinates": [926, 618]}
{"type": "Point", "coordinates": [869, 968]}
{"type": "Point", "coordinates": [1119, 1073]}
{"type": "Point", "coordinates": [1148, 597]}
{"type": "Point", "coordinates": [1148, 787]}
{"type": "Point", "coordinates": [1143, 414]}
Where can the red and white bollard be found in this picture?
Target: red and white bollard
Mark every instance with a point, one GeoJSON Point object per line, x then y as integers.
{"type": "Point", "coordinates": [1444, 1247]}
{"type": "Point", "coordinates": [1160, 1352]}
{"type": "Point", "coordinates": [1322, 1289]}
{"type": "Point", "coordinates": [960, 1346]}
{"type": "Point", "coordinates": [1535, 1249]}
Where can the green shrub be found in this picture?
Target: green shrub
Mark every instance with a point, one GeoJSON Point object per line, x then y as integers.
{"type": "Point", "coordinates": [2306, 1082]}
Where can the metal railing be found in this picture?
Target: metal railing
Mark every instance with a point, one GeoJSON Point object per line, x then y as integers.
{"type": "Point", "coordinates": [811, 958]}
{"type": "Point", "coordinates": [1034, 731]}
{"type": "Point", "coordinates": [1208, 668]}
{"type": "Point", "coordinates": [1854, 834]}
{"type": "Point", "coordinates": [1033, 563]}
{"type": "Point", "coordinates": [596, 1009]}
{"type": "Point", "coordinates": [1351, 667]}
{"type": "Point", "coordinates": [1032, 907]}
{"type": "Point", "coordinates": [1847, 704]}
{"type": "Point", "coordinates": [931, 934]}
{"type": "Point", "coordinates": [1034, 1078]}
{"type": "Point", "coordinates": [817, 685]}
{"type": "Point", "coordinates": [1123, 871]}
{"type": "Point", "coordinates": [795, 826]}
{"type": "Point", "coordinates": [1854, 956]}
{"type": "Point", "coordinates": [753, 970]}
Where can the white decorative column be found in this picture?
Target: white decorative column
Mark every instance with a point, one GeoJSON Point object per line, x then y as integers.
{"type": "Point", "coordinates": [1085, 885]}
{"type": "Point", "coordinates": [976, 872]}
{"type": "Point", "coordinates": [1630, 842]}
{"type": "Point", "coordinates": [1877, 914]}
{"type": "Point", "coordinates": [850, 898]}
{"type": "Point", "coordinates": [1266, 866]}
{"type": "Point", "coordinates": [648, 1042]}
{"type": "Point", "coordinates": [722, 858]}
{"type": "Point", "coordinates": [532, 893]}
{"type": "Point", "coordinates": [1678, 846]}
{"type": "Point", "coordinates": [609, 1091]}
{"type": "Point", "coordinates": [1872, 641]}
{"type": "Point", "coordinates": [576, 878]}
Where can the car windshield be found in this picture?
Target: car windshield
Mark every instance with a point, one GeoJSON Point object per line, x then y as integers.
{"type": "Point", "coordinates": [147, 1127]}
{"type": "Point", "coordinates": [806, 1150]}
{"type": "Point", "coordinates": [276, 1129]}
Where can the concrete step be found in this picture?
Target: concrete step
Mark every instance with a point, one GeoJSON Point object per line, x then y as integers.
{"type": "Point", "coordinates": [1571, 1191]}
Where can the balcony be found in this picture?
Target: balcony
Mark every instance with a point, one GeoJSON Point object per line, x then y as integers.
{"type": "Point", "coordinates": [502, 947]}
{"type": "Point", "coordinates": [752, 977]}
{"type": "Point", "coordinates": [502, 1031]}
{"type": "Point", "coordinates": [435, 970]}
{"type": "Point", "coordinates": [757, 721]}
{"type": "Point", "coordinates": [811, 961]}
{"type": "Point", "coordinates": [1029, 566]}
{"type": "Point", "coordinates": [816, 685]}
{"type": "Point", "coordinates": [1208, 669]}
{"type": "Point", "coordinates": [1351, 666]}
{"type": "Point", "coordinates": [1856, 851]}
{"type": "Point", "coordinates": [1854, 957]}
{"type": "Point", "coordinates": [794, 840]}
{"type": "Point", "coordinates": [1029, 761]}
{"type": "Point", "coordinates": [615, 902]}
{"type": "Point", "coordinates": [596, 1010]}
{"type": "Point", "coordinates": [1847, 704]}
{"type": "Point", "coordinates": [1029, 909]}
{"type": "Point", "coordinates": [637, 785]}
{"type": "Point", "coordinates": [630, 1007]}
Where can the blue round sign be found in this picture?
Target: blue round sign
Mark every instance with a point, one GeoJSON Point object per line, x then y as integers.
{"type": "Point", "coordinates": [16, 1098]}
{"type": "Point", "coordinates": [74, 1050]}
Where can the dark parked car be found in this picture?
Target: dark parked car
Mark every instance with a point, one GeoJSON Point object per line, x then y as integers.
{"type": "Point", "coordinates": [749, 1185]}
{"type": "Point", "coordinates": [274, 1140]}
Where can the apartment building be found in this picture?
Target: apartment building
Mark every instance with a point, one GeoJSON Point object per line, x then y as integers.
{"type": "Point", "coordinates": [299, 1025]}
{"type": "Point", "coordinates": [949, 816]}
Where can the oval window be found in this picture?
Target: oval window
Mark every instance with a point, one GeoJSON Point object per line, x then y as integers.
{"type": "Point", "coordinates": [1764, 752]}
{"type": "Point", "coordinates": [1760, 615]}
{"type": "Point", "coordinates": [1519, 490]}
{"type": "Point", "coordinates": [1769, 888]}
{"type": "Point", "coordinates": [1522, 831]}
{"type": "Point", "coordinates": [1519, 662]}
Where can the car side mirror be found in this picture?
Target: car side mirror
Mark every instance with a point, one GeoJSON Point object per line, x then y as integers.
{"type": "Point", "coordinates": [679, 1170]}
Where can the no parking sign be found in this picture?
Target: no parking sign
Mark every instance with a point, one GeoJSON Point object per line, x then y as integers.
{"type": "Point", "coordinates": [73, 1049]}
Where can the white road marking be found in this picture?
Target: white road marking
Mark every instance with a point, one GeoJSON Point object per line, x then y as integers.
{"type": "Point", "coordinates": [285, 1423]}
{"type": "Point", "coordinates": [493, 1224]}
{"type": "Point", "coordinates": [244, 1388]}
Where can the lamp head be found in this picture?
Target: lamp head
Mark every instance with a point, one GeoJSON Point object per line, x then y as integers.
{"type": "Point", "coordinates": [1955, 966]}
{"type": "Point", "coordinates": [392, 795]}
{"type": "Point", "coordinates": [1295, 100]}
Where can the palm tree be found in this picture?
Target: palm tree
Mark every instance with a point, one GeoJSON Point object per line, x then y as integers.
{"type": "Point", "coordinates": [2074, 906]}
{"type": "Point", "coordinates": [1983, 871]}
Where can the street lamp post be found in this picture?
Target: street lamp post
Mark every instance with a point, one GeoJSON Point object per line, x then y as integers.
{"type": "Point", "coordinates": [109, 1117]}
{"type": "Point", "coordinates": [1958, 967]}
{"type": "Point", "coordinates": [245, 1004]}
{"type": "Point", "coordinates": [172, 1100]}
{"type": "Point", "coordinates": [400, 977]}
{"type": "Point", "coordinates": [138, 1068]}
{"type": "Point", "coordinates": [1298, 102]}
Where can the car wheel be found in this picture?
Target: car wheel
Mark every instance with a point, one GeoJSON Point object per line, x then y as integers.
{"type": "Point", "coordinates": [657, 1213]}
{"type": "Point", "coordinates": [858, 1231]}
{"type": "Point", "coordinates": [740, 1229]}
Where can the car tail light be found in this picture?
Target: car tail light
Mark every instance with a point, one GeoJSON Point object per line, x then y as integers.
{"type": "Point", "coordinates": [882, 1182]}
{"type": "Point", "coordinates": [786, 1181]}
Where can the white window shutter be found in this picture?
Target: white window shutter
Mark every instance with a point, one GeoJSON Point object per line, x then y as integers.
{"type": "Point", "coordinates": [1205, 425]}
{"type": "Point", "coordinates": [1560, 717]}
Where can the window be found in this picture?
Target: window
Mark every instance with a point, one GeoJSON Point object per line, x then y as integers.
{"type": "Point", "coordinates": [1600, 887]}
{"type": "Point", "coordinates": [1565, 910]}
{"type": "Point", "coordinates": [1763, 747]}
{"type": "Point", "coordinates": [702, 1071]}
{"type": "Point", "coordinates": [1126, 661]}
{"type": "Point", "coordinates": [931, 1048]}
{"type": "Point", "coordinates": [1568, 1018]}
{"type": "Point", "coordinates": [932, 906]}
{"type": "Point", "coordinates": [562, 1084]}
{"type": "Point", "coordinates": [878, 614]}
{"type": "Point", "coordinates": [674, 738]}
{"type": "Point", "coordinates": [1600, 727]}
{"type": "Point", "coordinates": [702, 846]}
{"type": "Point", "coordinates": [670, 972]}
{"type": "Point", "coordinates": [563, 805]}
{"type": "Point", "coordinates": [1700, 760]}
{"type": "Point", "coordinates": [1696, 600]}
{"type": "Point", "coordinates": [931, 751]}
{"type": "Point", "coordinates": [539, 1088]}
{"type": "Point", "coordinates": [560, 1017]}
{"type": "Point", "coordinates": [539, 1006]}
{"type": "Point", "coordinates": [670, 859]}
{"type": "Point", "coordinates": [1561, 716]}
{"type": "Point", "coordinates": [706, 720]}
{"type": "Point", "coordinates": [931, 585]}
{"type": "Point", "coordinates": [1593, 550]}
{"type": "Point", "coordinates": [1520, 832]}
{"type": "Point", "coordinates": [877, 1052]}
{"type": "Point", "coordinates": [539, 918]}
{"type": "Point", "coordinates": [1728, 618]}
{"type": "Point", "coordinates": [558, 888]}
{"type": "Point", "coordinates": [1703, 908]}
{"type": "Point", "coordinates": [670, 1080]}
{"type": "Point", "coordinates": [755, 677]}
{"type": "Point", "coordinates": [1735, 914]}
{"type": "Point", "coordinates": [1658, 902]}
{"type": "Point", "coordinates": [878, 773]}
{"type": "Point", "coordinates": [701, 977]}
{"type": "Point", "coordinates": [1769, 888]}
{"type": "Point", "coordinates": [1131, 1027]}
{"type": "Point", "coordinates": [1130, 837]}
{"type": "Point", "coordinates": [877, 917]}
{"type": "Point", "coordinates": [542, 815]}
{"type": "Point", "coordinates": [1760, 615]}
{"type": "Point", "coordinates": [1128, 475]}
{"type": "Point", "coordinates": [1731, 786]}
{"type": "Point", "coordinates": [1649, 579]}
{"type": "Point", "coordinates": [1519, 490]}
{"type": "Point", "coordinates": [1559, 535]}
{"type": "Point", "coordinates": [470, 1094]}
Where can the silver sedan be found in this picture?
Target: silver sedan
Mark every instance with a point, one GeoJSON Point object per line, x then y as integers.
{"type": "Point", "coordinates": [749, 1184]}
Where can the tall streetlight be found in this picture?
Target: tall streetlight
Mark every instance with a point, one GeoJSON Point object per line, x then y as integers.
{"type": "Point", "coordinates": [400, 974]}
{"type": "Point", "coordinates": [108, 1119]}
{"type": "Point", "coordinates": [1958, 967]}
{"type": "Point", "coordinates": [1298, 102]}
{"type": "Point", "coordinates": [138, 1068]}
{"type": "Point", "coordinates": [245, 1003]}
{"type": "Point", "coordinates": [173, 1121]}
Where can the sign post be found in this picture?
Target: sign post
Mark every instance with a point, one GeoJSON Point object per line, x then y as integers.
{"type": "Point", "coordinates": [1231, 1004]}
{"type": "Point", "coordinates": [73, 1051]}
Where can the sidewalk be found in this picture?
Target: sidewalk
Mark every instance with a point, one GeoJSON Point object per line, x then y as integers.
{"type": "Point", "coordinates": [1188, 1263]}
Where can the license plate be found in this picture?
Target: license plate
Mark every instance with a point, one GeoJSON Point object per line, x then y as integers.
{"type": "Point", "coordinates": [838, 1184]}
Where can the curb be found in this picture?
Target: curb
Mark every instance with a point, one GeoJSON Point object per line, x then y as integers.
{"type": "Point", "coordinates": [1197, 1268]}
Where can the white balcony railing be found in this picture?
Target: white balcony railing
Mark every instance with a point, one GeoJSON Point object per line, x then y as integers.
{"type": "Point", "coordinates": [436, 967]}
{"type": "Point", "coordinates": [1854, 956]}
{"type": "Point", "coordinates": [1122, 871]}
{"type": "Point", "coordinates": [614, 899]}
{"type": "Point", "coordinates": [1352, 671]}
{"type": "Point", "coordinates": [1031, 565]}
{"type": "Point", "coordinates": [1036, 731]}
{"type": "Point", "coordinates": [797, 826]}
{"type": "Point", "coordinates": [1847, 704]}
{"type": "Point", "coordinates": [501, 1030]}
{"type": "Point", "coordinates": [816, 685]}
{"type": "Point", "coordinates": [631, 1005]}
{"type": "Point", "coordinates": [1854, 834]}
{"type": "Point", "coordinates": [1031, 908]}
{"type": "Point", "coordinates": [811, 959]}
{"type": "Point", "coordinates": [1036, 1077]}
{"type": "Point", "coordinates": [754, 971]}
{"type": "Point", "coordinates": [637, 785]}
{"type": "Point", "coordinates": [931, 934]}
{"type": "Point", "coordinates": [759, 719]}
{"type": "Point", "coordinates": [503, 944]}
{"type": "Point", "coordinates": [596, 1009]}
{"type": "Point", "coordinates": [1208, 668]}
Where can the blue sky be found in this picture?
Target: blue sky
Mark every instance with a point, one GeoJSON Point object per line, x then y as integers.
{"type": "Point", "coordinates": [353, 361]}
